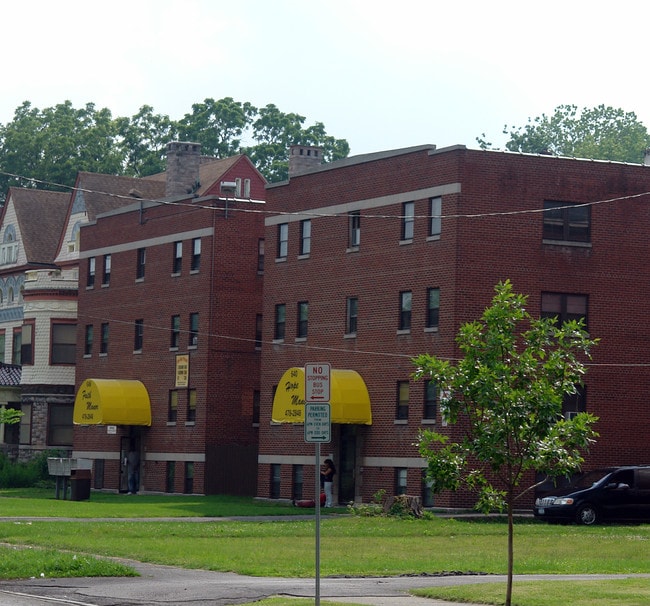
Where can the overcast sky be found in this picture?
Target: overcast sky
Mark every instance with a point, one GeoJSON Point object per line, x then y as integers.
{"type": "Point", "coordinates": [382, 75]}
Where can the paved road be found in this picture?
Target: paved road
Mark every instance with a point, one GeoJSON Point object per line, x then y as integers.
{"type": "Point", "coordinates": [169, 586]}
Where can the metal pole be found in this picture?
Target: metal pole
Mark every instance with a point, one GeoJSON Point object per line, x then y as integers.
{"type": "Point", "coordinates": [317, 490]}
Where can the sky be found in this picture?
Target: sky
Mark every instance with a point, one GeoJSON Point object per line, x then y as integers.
{"type": "Point", "coordinates": [382, 75]}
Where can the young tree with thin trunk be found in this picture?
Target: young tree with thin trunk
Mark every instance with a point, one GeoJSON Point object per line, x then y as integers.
{"type": "Point", "coordinates": [504, 396]}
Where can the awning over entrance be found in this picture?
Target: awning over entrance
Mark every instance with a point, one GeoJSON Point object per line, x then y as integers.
{"type": "Point", "coordinates": [112, 402]}
{"type": "Point", "coordinates": [349, 399]}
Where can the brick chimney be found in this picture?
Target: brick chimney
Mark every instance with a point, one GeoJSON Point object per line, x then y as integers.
{"type": "Point", "coordinates": [182, 174]}
{"type": "Point", "coordinates": [303, 158]}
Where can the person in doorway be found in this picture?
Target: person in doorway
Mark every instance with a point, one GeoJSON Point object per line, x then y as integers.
{"type": "Point", "coordinates": [327, 478]}
{"type": "Point", "coordinates": [133, 469]}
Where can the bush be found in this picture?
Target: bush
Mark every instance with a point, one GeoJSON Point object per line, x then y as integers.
{"type": "Point", "coordinates": [26, 474]}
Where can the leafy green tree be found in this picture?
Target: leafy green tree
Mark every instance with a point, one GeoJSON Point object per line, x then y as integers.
{"type": "Point", "coordinates": [505, 395]}
{"type": "Point", "coordinates": [142, 141]}
{"type": "Point", "coordinates": [217, 125]}
{"type": "Point", "coordinates": [602, 133]}
{"type": "Point", "coordinates": [48, 147]}
{"type": "Point", "coordinates": [53, 144]}
{"type": "Point", "coordinates": [275, 131]}
{"type": "Point", "coordinates": [10, 416]}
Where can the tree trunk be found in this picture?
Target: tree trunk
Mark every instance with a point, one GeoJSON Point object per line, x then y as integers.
{"type": "Point", "coordinates": [508, 601]}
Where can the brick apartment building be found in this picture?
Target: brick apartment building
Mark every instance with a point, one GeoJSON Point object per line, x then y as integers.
{"type": "Point", "coordinates": [169, 322]}
{"type": "Point", "coordinates": [374, 259]}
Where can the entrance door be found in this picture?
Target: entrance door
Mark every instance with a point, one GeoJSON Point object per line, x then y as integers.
{"type": "Point", "coordinates": [347, 463]}
{"type": "Point", "coordinates": [125, 446]}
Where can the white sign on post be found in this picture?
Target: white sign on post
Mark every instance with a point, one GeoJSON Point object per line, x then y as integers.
{"type": "Point", "coordinates": [318, 426]}
{"type": "Point", "coordinates": [317, 382]}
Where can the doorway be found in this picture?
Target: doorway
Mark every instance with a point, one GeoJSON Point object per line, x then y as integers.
{"type": "Point", "coordinates": [347, 463]}
{"type": "Point", "coordinates": [126, 442]}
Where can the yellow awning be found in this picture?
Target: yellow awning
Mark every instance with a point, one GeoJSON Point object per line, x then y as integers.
{"type": "Point", "coordinates": [112, 402]}
{"type": "Point", "coordinates": [349, 399]}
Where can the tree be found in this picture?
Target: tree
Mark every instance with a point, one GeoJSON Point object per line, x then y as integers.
{"type": "Point", "coordinates": [143, 139]}
{"type": "Point", "coordinates": [53, 144]}
{"type": "Point", "coordinates": [275, 131]}
{"type": "Point", "coordinates": [602, 133]}
{"type": "Point", "coordinates": [505, 395]}
{"type": "Point", "coordinates": [46, 148]}
{"type": "Point", "coordinates": [10, 416]}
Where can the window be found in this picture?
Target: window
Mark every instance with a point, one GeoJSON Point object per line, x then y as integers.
{"type": "Point", "coordinates": [194, 330]}
{"type": "Point", "coordinates": [26, 424]}
{"type": "Point", "coordinates": [88, 340]}
{"type": "Point", "coordinates": [177, 260]}
{"type": "Point", "coordinates": [103, 346]}
{"type": "Point", "coordinates": [283, 240]}
{"type": "Point", "coordinates": [59, 424]}
{"type": "Point", "coordinates": [258, 331]}
{"type": "Point", "coordinates": [296, 481]}
{"type": "Point", "coordinates": [408, 220]}
{"type": "Point", "coordinates": [401, 477]}
{"type": "Point", "coordinates": [305, 237]}
{"type": "Point", "coordinates": [106, 277]}
{"type": "Point", "coordinates": [17, 346]}
{"type": "Point", "coordinates": [90, 278]}
{"type": "Point", "coordinates": [405, 310]}
{"type": "Point", "coordinates": [430, 400]}
{"type": "Point", "coordinates": [196, 254]}
{"type": "Point", "coordinates": [435, 220]}
{"type": "Point", "coordinates": [247, 188]}
{"type": "Point", "coordinates": [433, 307]}
{"type": "Point", "coordinates": [352, 311]}
{"type": "Point", "coordinates": [575, 403]}
{"type": "Point", "coordinates": [354, 229]}
{"type": "Point", "coordinates": [303, 318]}
{"type": "Point", "coordinates": [139, 335]}
{"type": "Point", "coordinates": [189, 477]}
{"type": "Point", "coordinates": [170, 476]}
{"type": "Point", "coordinates": [191, 406]}
{"type": "Point", "coordinates": [27, 344]}
{"type": "Point", "coordinates": [260, 255]}
{"type": "Point", "coordinates": [564, 307]}
{"type": "Point", "coordinates": [280, 321]}
{"type": "Point", "coordinates": [172, 407]}
{"type": "Point", "coordinates": [175, 332]}
{"type": "Point", "coordinates": [567, 222]}
{"type": "Point", "coordinates": [2, 345]}
{"type": "Point", "coordinates": [427, 491]}
{"type": "Point", "coordinates": [275, 481]}
{"type": "Point", "coordinates": [140, 263]}
{"type": "Point", "coordinates": [402, 400]}
{"type": "Point", "coordinates": [64, 343]}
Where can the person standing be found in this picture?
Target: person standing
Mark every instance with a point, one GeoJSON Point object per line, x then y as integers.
{"type": "Point", "coordinates": [327, 478]}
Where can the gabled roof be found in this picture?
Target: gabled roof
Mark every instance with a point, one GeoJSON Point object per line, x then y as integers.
{"type": "Point", "coordinates": [211, 171]}
{"type": "Point", "coordinates": [41, 216]}
{"type": "Point", "coordinates": [103, 193]}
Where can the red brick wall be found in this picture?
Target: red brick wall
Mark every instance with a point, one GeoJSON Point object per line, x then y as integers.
{"type": "Point", "coordinates": [473, 254]}
{"type": "Point", "coordinates": [224, 367]}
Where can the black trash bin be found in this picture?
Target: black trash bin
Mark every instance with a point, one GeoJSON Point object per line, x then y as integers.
{"type": "Point", "coordinates": [80, 485]}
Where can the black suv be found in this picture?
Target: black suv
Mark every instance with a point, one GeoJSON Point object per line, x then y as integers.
{"type": "Point", "coordinates": [617, 493]}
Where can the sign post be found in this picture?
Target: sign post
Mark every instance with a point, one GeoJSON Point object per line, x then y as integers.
{"type": "Point", "coordinates": [318, 429]}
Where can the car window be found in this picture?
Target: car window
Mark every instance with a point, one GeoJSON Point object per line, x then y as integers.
{"type": "Point", "coordinates": [587, 480]}
{"type": "Point", "coordinates": [643, 479]}
{"type": "Point", "coordinates": [625, 476]}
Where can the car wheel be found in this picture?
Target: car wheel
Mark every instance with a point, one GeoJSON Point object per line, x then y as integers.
{"type": "Point", "coordinates": [587, 515]}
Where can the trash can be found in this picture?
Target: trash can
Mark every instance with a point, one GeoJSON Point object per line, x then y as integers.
{"type": "Point", "coordinates": [80, 485]}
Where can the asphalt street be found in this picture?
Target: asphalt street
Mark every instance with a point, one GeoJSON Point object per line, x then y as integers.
{"type": "Point", "coordinates": [170, 586]}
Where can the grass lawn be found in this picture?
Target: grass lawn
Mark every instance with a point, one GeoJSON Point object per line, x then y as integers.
{"type": "Point", "coordinates": [349, 546]}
